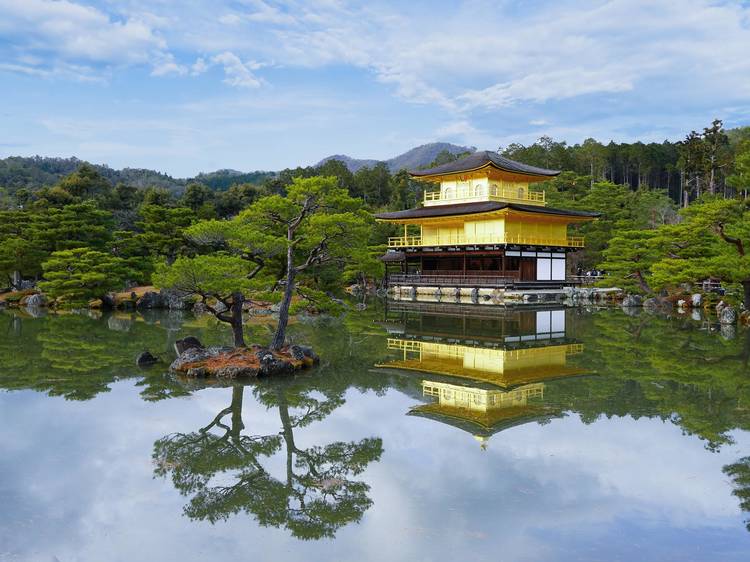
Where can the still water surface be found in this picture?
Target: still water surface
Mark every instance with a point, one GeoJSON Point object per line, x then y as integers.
{"type": "Point", "coordinates": [425, 435]}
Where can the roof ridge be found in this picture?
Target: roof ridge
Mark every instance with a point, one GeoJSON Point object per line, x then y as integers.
{"type": "Point", "coordinates": [482, 158]}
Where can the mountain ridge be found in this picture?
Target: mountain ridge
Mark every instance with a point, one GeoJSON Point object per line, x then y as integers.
{"type": "Point", "coordinates": [33, 172]}
{"type": "Point", "coordinates": [413, 158]}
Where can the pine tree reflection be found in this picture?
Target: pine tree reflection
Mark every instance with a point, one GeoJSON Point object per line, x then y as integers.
{"type": "Point", "coordinates": [222, 468]}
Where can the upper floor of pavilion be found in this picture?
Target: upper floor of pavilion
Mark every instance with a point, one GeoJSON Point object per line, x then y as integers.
{"type": "Point", "coordinates": [484, 176]}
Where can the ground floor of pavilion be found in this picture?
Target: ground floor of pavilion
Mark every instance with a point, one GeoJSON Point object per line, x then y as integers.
{"type": "Point", "coordinates": [499, 266]}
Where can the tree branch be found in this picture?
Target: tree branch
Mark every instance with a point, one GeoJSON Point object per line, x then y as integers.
{"type": "Point", "coordinates": [730, 239]}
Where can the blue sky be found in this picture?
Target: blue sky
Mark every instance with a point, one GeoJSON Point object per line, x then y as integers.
{"type": "Point", "coordinates": [188, 86]}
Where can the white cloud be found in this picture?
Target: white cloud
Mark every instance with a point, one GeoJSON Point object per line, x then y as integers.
{"type": "Point", "coordinates": [541, 87]}
{"type": "Point", "coordinates": [78, 73]}
{"type": "Point", "coordinates": [464, 132]}
{"type": "Point", "coordinates": [199, 66]}
{"type": "Point", "coordinates": [490, 74]}
{"type": "Point", "coordinates": [266, 13]}
{"type": "Point", "coordinates": [432, 54]}
{"type": "Point", "coordinates": [230, 19]}
{"type": "Point", "coordinates": [165, 64]}
{"type": "Point", "coordinates": [77, 32]}
{"type": "Point", "coordinates": [237, 73]}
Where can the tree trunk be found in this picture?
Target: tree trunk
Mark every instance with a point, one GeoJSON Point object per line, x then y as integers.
{"type": "Point", "coordinates": [280, 335]}
{"type": "Point", "coordinates": [642, 282]}
{"type": "Point", "coordinates": [236, 407]}
{"type": "Point", "coordinates": [239, 338]}
{"type": "Point", "coordinates": [288, 432]}
{"type": "Point", "coordinates": [746, 290]}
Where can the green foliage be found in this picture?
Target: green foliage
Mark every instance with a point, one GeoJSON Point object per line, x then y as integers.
{"type": "Point", "coordinates": [622, 210]}
{"type": "Point", "coordinates": [217, 276]}
{"type": "Point", "coordinates": [196, 195]}
{"type": "Point", "coordinates": [230, 202]}
{"type": "Point", "coordinates": [157, 196]}
{"type": "Point", "coordinates": [27, 238]}
{"type": "Point", "coordinates": [71, 226]}
{"type": "Point", "coordinates": [162, 229]}
{"type": "Point", "coordinates": [740, 180]}
{"type": "Point", "coordinates": [739, 472]}
{"type": "Point", "coordinates": [373, 184]}
{"type": "Point", "coordinates": [81, 274]}
{"type": "Point", "coordinates": [628, 260]}
{"type": "Point", "coordinates": [86, 183]}
{"type": "Point", "coordinates": [18, 255]}
{"type": "Point", "coordinates": [710, 242]}
{"type": "Point", "coordinates": [338, 169]}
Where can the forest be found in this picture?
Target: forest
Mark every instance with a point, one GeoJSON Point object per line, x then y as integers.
{"type": "Point", "coordinates": [672, 214]}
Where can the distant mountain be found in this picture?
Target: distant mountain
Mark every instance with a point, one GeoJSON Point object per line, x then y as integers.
{"type": "Point", "coordinates": [34, 172]}
{"type": "Point", "coordinates": [353, 164]}
{"type": "Point", "coordinates": [410, 160]}
{"type": "Point", "coordinates": [38, 171]}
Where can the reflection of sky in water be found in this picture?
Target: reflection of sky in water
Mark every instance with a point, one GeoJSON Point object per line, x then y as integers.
{"type": "Point", "coordinates": [76, 483]}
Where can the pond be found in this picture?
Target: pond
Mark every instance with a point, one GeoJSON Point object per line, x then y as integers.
{"type": "Point", "coordinates": [429, 432]}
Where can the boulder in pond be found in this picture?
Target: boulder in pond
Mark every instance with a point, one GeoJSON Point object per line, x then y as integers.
{"type": "Point", "coordinates": [109, 301]}
{"type": "Point", "coordinates": [190, 342]}
{"type": "Point", "coordinates": [271, 364]}
{"type": "Point", "coordinates": [728, 331]}
{"type": "Point", "coordinates": [150, 300]}
{"type": "Point", "coordinates": [174, 300]}
{"type": "Point", "coordinates": [36, 300]}
{"type": "Point", "coordinates": [303, 353]}
{"type": "Point", "coordinates": [119, 323]}
{"type": "Point", "coordinates": [632, 301]}
{"type": "Point", "coordinates": [721, 305]}
{"type": "Point", "coordinates": [657, 304]}
{"type": "Point", "coordinates": [145, 359]}
{"type": "Point", "coordinates": [728, 316]}
{"type": "Point", "coordinates": [696, 300]}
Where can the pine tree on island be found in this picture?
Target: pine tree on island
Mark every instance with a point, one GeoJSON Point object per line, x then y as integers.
{"type": "Point", "coordinates": [280, 242]}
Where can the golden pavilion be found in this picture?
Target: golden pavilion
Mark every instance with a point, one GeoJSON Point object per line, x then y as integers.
{"type": "Point", "coordinates": [484, 227]}
{"type": "Point", "coordinates": [481, 372]}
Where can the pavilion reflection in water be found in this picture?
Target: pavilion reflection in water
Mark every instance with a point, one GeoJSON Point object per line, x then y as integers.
{"type": "Point", "coordinates": [489, 369]}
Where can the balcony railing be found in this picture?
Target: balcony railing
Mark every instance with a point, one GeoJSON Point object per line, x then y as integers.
{"type": "Point", "coordinates": [459, 279]}
{"type": "Point", "coordinates": [463, 240]}
{"type": "Point", "coordinates": [484, 193]}
{"type": "Point", "coordinates": [399, 344]}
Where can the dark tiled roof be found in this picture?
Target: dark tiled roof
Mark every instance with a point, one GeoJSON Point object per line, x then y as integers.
{"type": "Point", "coordinates": [478, 207]}
{"type": "Point", "coordinates": [389, 257]}
{"type": "Point", "coordinates": [479, 160]}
